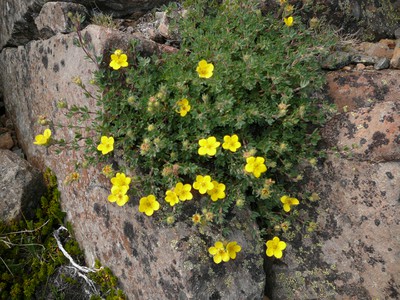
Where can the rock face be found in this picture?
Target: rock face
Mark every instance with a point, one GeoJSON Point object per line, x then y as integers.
{"type": "Point", "coordinates": [17, 26]}
{"type": "Point", "coordinates": [16, 19]}
{"type": "Point", "coordinates": [121, 8]}
{"type": "Point", "coordinates": [152, 260]}
{"type": "Point", "coordinates": [350, 245]}
{"type": "Point", "coordinates": [20, 187]}
{"type": "Point", "coordinates": [53, 18]}
{"type": "Point", "coordinates": [367, 19]}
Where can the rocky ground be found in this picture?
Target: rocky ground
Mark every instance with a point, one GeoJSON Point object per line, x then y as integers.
{"type": "Point", "coordinates": [350, 246]}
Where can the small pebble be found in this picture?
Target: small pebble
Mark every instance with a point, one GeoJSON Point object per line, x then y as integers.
{"type": "Point", "coordinates": [382, 63]}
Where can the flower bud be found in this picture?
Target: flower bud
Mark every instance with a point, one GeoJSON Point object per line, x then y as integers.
{"type": "Point", "coordinates": [62, 104]}
{"type": "Point", "coordinates": [170, 220]}
{"type": "Point", "coordinates": [314, 22]}
{"type": "Point", "coordinates": [240, 203]}
{"type": "Point", "coordinates": [42, 120]}
{"type": "Point", "coordinates": [77, 80]}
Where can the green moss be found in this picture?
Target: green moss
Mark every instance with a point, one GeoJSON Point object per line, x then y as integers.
{"type": "Point", "coordinates": [28, 249]}
{"type": "Point", "coordinates": [30, 255]}
{"type": "Point", "coordinates": [107, 283]}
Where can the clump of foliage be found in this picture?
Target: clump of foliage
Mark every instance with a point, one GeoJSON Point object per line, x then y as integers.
{"type": "Point", "coordinates": [226, 119]}
{"type": "Point", "coordinates": [101, 19]}
{"type": "Point", "coordinates": [264, 73]}
{"type": "Point", "coordinates": [29, 253]}
{"type": "Point", "coordinates": [107, 282]}
{"type": "Point", "coordinates": [28, 249]}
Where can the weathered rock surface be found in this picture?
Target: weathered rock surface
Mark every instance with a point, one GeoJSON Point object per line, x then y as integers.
{"type": "Point", "coordinates": [349, 246]}
{"type": "Point", "coordinates": [352, 90]}
{"type": "Point", "coordinates": [6, 141]}
{"type": "Point", "coordinates": [53, 18]}
{"type": "Point", "coordinates": [395, 61]}
{"type": "Point", "coordinates": [367, 19]}
{"type": "Point", "coordinates": [136, 8]}
{"type": "Point", "coordinates": [152, 260]}
{"type": "Point", "coordinates": [20, 187]}
{"type": "Point", "coordinates": [354, 249]}
{"type": "Point", "coordinates": [17, 26]}
{"type": "Point", "coordinates": [16, 19]}
{"type": "Point", "coordinates": [370, 134]}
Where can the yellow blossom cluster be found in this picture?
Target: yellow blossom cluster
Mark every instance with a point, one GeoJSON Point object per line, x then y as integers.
{"type": "Point", "coordinates": [181, 192]}
{"type": "Point", "coordinates": [224, 251]}
{"type": "Point", "coordinates": [120, 187]}
{"type": "Point", "coordinates": [204, 184]}
{"type": "Point", "coordinates": [210, 145]}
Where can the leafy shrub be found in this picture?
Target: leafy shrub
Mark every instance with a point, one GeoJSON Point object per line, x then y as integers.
{"type": "Point", "coordinates": [264, 75]}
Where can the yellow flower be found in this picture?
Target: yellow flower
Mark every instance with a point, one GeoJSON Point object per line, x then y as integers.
{"type": "Point", "coordinates": [43, 139]}
{"type": "Point", "coordinates": [203, 184]}
{"type": "Point", "coordinates": [106, 145]}
{"type": "Point", "coordinates": [118, 194]}
{"type": "Point", "coordinates": [183, 191]}
{"type": "Point", "coordinates": [275, 247]}
{"type": "Point", "coordinates": [120, 179]}
{"type": "Point", "coordinates": [282, 2]}
{"type": "Point", "coordinates": [288, 21]}
{"type": "Point", "coordinates": [208, 146]}
{"type": "Point", "coordinates": [148, 205]}
{"type": "Point", "coordinates": [118, 60]}
{"type": "Point", "coordinates": [288, 202]}
{"type": "Point", "coordinates": [171, 197]}
{"type": "Point", "coordinates": [255, 165]}
{"type": "Point", "coordinates": [204, 69]}
{"type": "Point", "coordinates": [184, 107]}
{"type": "Point", "coordinates": [231, 143]}
{"type": "Point", "coordinates": [196, 218]}
{"type": "Point", "coordinates": [218, 192]}
{"type": "Point", "coordinates": [232, 248]}
{"type": "Point", "coordinates": [219, 252]}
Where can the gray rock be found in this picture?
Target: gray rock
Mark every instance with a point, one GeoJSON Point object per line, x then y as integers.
{"type": "Point", "coordinates": [336, 60]}
{"type": "Point", "coordinates": [17, 25]}
{"type": "Point", "coordinates": [133, 8]}
{"type": "Point", "coordinates": [363, 59]}
{"type": "Point", "coordinates": [6, 141]}
{"type": "Point", "coordinates": [345, 245]}
{"type": "Point", "coordinates": [382, 63]}
{"type": "Point", "coordinates": [53, 18]}
{"type": "Point", "coordinates": [151, 260]}
{"type": "Point", "coordinates": [397, 33]}
{"type": "Point", "coordinates": [352, 248]}
{"type": "Point", "coordinates": [16, 22]}
{"type": "Point", "coordinates": [366, 20]}
{"type": "Point", "coordinates": [21, 186]}
{"type": "Point", "coordinates": [395, 61]}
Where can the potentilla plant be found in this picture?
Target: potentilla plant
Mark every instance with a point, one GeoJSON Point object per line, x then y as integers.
{"type": "Point", "coordinates": [223, 122]}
